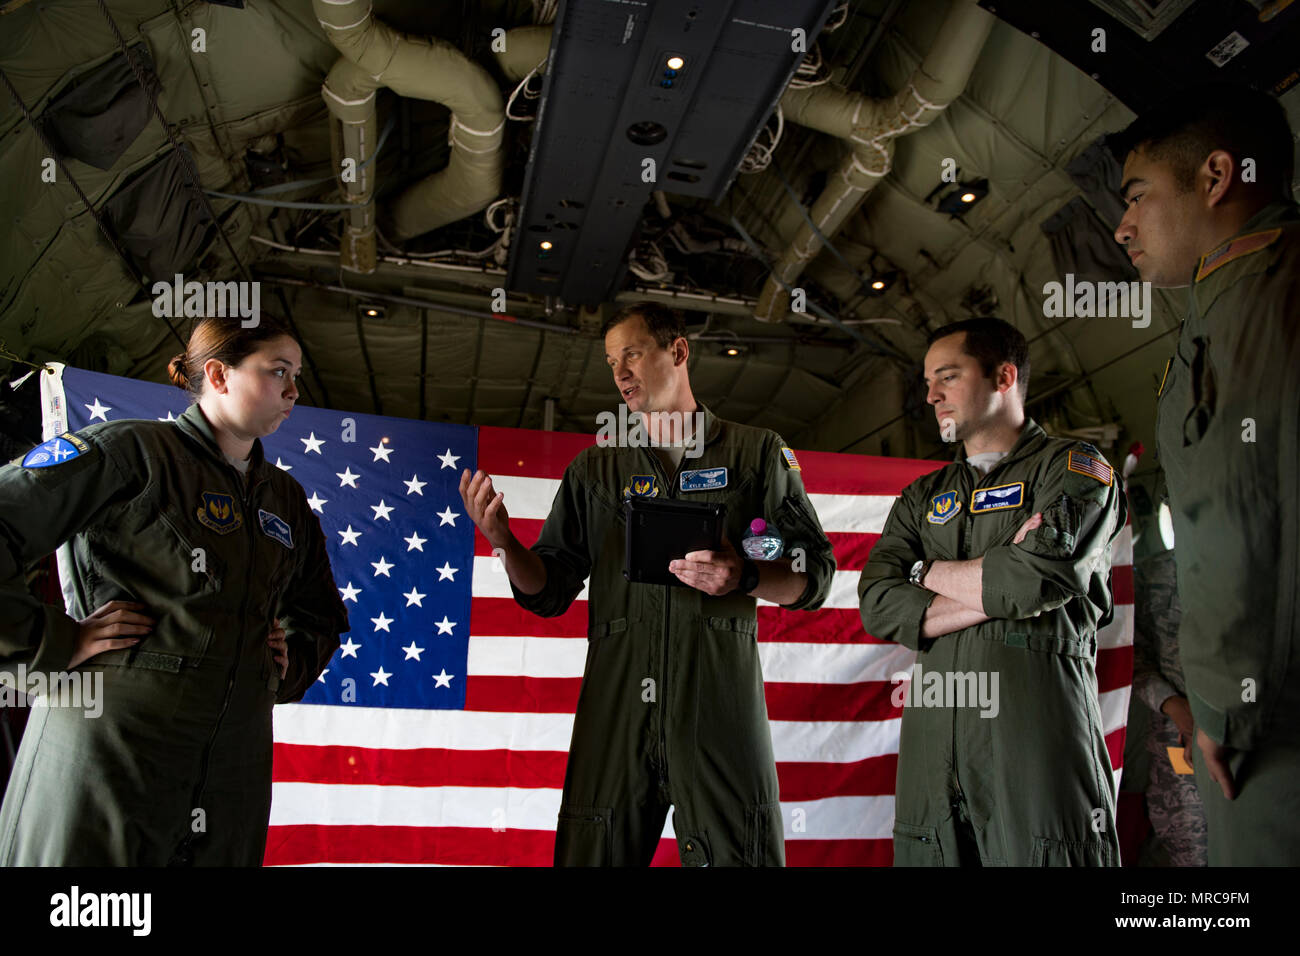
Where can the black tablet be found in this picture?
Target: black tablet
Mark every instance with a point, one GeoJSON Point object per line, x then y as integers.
{"type": "Point", "coordinates": [660, 530]}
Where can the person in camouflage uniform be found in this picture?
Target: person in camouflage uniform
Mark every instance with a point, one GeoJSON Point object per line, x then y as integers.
{"type": "Point", "coordinates": [1173, 803]}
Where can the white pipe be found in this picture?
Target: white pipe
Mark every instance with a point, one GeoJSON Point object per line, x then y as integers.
{"type": "Point", "coordinates": [376, 55]}
{"type": "Point", "coordinates": [870, 127]}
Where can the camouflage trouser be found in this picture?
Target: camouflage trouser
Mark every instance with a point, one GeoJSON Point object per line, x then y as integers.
{"type": "Point", "coordinates": [1173, 803]}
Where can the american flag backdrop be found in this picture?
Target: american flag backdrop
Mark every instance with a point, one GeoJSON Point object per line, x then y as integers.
{"type": "Point", "coordinates": [439, 733]}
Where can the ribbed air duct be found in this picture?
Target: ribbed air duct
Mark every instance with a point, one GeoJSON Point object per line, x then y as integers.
{"type": "Point", "coordinates": [375, 55]}
{"type": "Point", "coordinates": [870, 127]}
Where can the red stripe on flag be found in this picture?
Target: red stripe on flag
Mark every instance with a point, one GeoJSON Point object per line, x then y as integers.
{"type": "Point", "coordinates": [1121, 583]}
{"type": "Point", "coordinates": [1114, 667]}
{"type": "Point", "coordinates": [865, 701]}
{"type": "Point", "coordinates": [523, 451]}
{"type": "Point", "coordinates": [523, 695]}
{"type": "Point", "coordinates": [833, 473]}
{"type": "Point", "coordinates": [872, 777]}
{"type": "Point", "coordinates": [839, 852]}
{"type": "Point", "coordinates": [851, 548]}
{"type": "Point", "coordinates": [423, 767]}
{"type": "Point", "coordinates": [527, 530]}
{"type": "Point", "coordinates": [835, 625]}
{"type": "Point", "coordinates": [454, 846]}
{"type": "Point", "coordinates": [1115, 747]}
{"type": "Point", "coordinates": [502, 617]}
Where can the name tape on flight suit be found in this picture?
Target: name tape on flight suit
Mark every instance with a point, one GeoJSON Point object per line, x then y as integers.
{"type": "Point", "coordinates": [997, 499]}
{"type": "Point", "coordinates": [55, 451]}
{"type": "Point", "coordinates": [704, 479]}
{"type": "Point", "coordinates": [943, 508]}
{"type": "Point", "coordinates": [273, 526]}
{"type": "Point", "coordinates": [219, 512]}
{"type": "Point", "coordinates": [1092, 467]}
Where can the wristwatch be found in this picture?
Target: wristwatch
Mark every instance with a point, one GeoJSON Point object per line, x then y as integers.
{"type": "Point", "coordinates": [919, 571]}
{"type": "Point", "coordinates": [748, 576]}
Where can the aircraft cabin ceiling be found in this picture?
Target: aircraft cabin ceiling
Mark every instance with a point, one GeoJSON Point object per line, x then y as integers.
{"type": "Point", "coordinates": [790, 173]}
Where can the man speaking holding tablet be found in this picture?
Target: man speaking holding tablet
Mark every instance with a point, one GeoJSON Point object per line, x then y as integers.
{"type": "Point", "coordinates": [671, 711]}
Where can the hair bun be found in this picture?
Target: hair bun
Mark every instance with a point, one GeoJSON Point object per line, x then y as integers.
{"type": "Point", "coordinates": [176, 371]}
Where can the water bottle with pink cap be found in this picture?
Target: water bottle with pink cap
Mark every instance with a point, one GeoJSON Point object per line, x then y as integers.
{"type": "Point", "coordinates": [763, 543]}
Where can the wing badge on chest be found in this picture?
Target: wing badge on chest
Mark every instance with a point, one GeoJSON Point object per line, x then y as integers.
{"type": "Point", "coordinates": [1000, 498]}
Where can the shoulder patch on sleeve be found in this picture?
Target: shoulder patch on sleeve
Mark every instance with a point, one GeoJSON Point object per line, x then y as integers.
{"type": "Point", "coordinates": [791, 462]}
{"type": "Point", "coordinates": [55, 451]}
{"type": "Point", "coordinates": [1084, 464]}
{"type": "Point", "coordinates": [1235, 249]}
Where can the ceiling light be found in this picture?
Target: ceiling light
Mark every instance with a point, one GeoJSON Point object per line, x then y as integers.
{"type": "Point", "coordinates": [370, 310]}
{"type": "Point", "coordinates": [545, 244]}
{"type": "Point", "coordinates": [881, 281]}
{"type": "Point", "coordinates": [675, 63]}
{"type": "Point", "coordinates": [963, 196]}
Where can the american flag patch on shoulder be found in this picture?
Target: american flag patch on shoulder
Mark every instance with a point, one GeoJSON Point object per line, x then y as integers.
{"type": "Point", "coordinates": [1092, 467]}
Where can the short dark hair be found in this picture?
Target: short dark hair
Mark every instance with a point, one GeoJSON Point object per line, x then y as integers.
{"type": "Point", "coordinates": [665, 324]}
{"type": "Point", "coordinates": [1185, 129]}
{"type": "Point", "coordinates": [991, 341]}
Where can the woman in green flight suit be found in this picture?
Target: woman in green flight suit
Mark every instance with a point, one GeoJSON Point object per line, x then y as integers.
{"type": "Point", "coordinates": [200, 594]}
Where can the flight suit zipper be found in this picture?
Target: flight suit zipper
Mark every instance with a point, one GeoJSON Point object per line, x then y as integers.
{"type": "Point", "coordinates": [184, 854]}
{"type": "Point", "coordinates": [667, 634]}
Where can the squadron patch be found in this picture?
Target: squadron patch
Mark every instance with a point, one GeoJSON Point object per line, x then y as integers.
{"type": "Point", "coordinates": [943, 508]}
{"type": "Point", "coordinates": [641, 486]}
{"type": "Point", "coordinates": [704, 479]}
{"type": "Point", "coordinates": [55, 451]}
{"type": "Point", "coordinates": [274, 526]}
{"type": "Point", "coordinates": [791, 462]}
{"type": "Point", "coordinates": [1092, 467]}
{"type": "Point", "coordinates": [219, 512]}
{"type": "Point", "coordinates": [997, 499]}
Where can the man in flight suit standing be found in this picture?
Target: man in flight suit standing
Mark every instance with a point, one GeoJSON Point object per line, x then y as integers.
{"type": "Point", "coordinates": [996, 570]}
{"type": "Point", "coordinates": [1207, 184]}
{"type": "Point", "coordinates": [671, 710]}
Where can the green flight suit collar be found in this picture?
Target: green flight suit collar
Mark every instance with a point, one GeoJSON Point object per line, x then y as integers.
{"type": "Point", "coordinates": [1277, 213]}
{"type": "Point", "coordinates": [194, 423]}
{"type": "Point", "coordinates": [1031, 439]}
{"type": "Point", "coordinates": [712, 424]}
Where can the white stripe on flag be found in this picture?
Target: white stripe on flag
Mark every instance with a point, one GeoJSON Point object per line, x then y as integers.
{"type": "Point", "coordinates": [311, 804]}
{"type": "Point", "coordinates": [833, 663]}
{"type": "Point", "coordinates": [1114, 708]}
{"type": "Point", "coordinates": [527, 656]}
{"type": "Point", "coordinates": [833, 741]}
{"type": "Point", "coordinates": [850, 514]}
{"type": "Point", "coordinates": [402, 728]}
{"type": "Point", "coordinates": [526, 497]}
{"type": "Point", "coordinates": [491, 581]}
{"type": "Point", "coordinates": [840, 818]}
{"type": "Point", "coordinates": [1119, 632]}
{"type": "Point", "coordinates": [315, 804]}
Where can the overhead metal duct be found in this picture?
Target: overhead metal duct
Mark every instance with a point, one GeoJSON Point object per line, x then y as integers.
{"type": "Point", "coordinates": [870, 126]}
{"type": "Point", "coordinates": [617, 121]}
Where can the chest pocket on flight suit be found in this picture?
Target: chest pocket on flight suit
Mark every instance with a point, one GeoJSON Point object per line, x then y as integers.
{"type": "Point", "coordinates": [178, 579]}
{"type": "Point", "coordinates": [1203, 393]}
